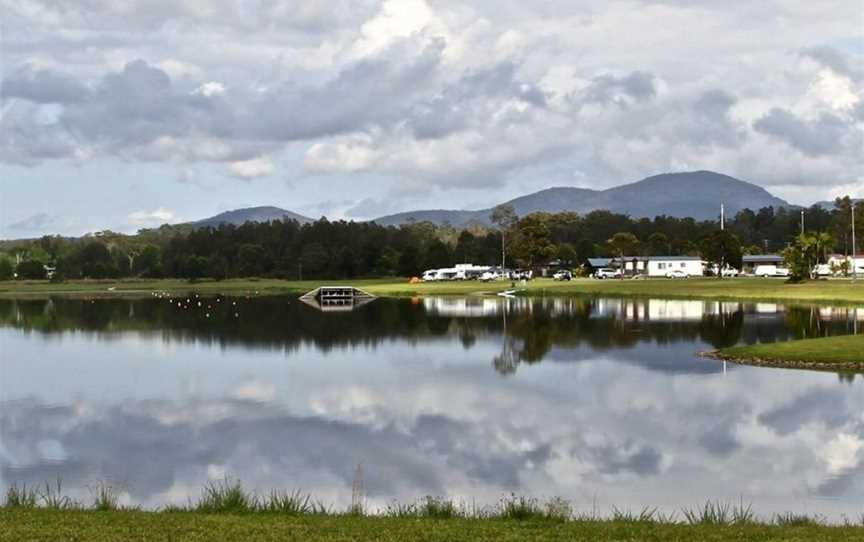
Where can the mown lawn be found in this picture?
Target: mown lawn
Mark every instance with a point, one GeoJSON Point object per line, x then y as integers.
{"type": "Point", "coordinates": [74, 525]}
{"type": "Point", "coordinates": [754, 289]}
{"type": "Point", "coordinates": [844, 351]}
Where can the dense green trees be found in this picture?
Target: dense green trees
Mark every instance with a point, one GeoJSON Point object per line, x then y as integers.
{"type": "Point", "coordinates": [339, 249]}
{"type": "Point", "coordinates": [31, 270]}
{"type": "Point", "coordinates": [7, 270]}
{"type": "Point", "coordinates": [721, 249]}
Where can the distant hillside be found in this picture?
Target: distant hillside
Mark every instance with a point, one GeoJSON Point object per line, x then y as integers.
{"type": "Point", "coordinates": [696, 194]}
{"type": "Point", "coordinates": [829, 205]}
{"type": "Point", "coordinates": [250, 214]}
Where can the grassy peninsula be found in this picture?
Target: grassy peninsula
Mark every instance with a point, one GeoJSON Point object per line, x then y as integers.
{"type": "Point", "coordinates": [739, 289]}
{"type": "Point", "coordinates": [828, 353]}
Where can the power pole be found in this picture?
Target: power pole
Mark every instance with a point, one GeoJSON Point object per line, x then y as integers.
{"type": "Point", "coordinates": [802, 220]}
{"type": "Point", "coordinates": [722, 217]}
{"type": "Point", "coordinates": [854, 248]}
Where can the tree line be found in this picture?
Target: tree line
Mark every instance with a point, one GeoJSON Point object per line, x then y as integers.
{"type": "Point", "coordinates": [340, 249]}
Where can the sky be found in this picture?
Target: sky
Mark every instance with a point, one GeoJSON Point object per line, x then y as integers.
{"type": "Point", "coordinates": [126, 114]}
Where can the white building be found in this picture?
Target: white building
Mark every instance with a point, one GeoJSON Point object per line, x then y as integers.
{"type": "Point", "coordinates": [836, 262]}
{"type": "Point", "coordinates": [461, 271]}
{"type": "Point", "coordinates": [659, 266]}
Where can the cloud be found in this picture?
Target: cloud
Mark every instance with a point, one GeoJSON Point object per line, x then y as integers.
{"type": "Point", "coordinates": [251, 169]}
{"type": "Point", "coordinates": [826, 134]}
{"type": "Point", "coordinates": [152, 218]}
{"type": "Point", "coordinates": [211, 88]}
{"type": "Point", "coordinates": [839, 62]}
{"type": "Point", "coordinates": [43, 86]}
{"type": "Point", "coordinates": [37, 221]}
{"type": "Point", "coordinates": [441, 94]}
{"type": "Point", "coordinates": [637, 86]}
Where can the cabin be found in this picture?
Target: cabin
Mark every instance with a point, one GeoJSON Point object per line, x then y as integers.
{"type": "Point", "coordinates": [660, 266]}
{"type": "Point", "coordinates": [462, 271]}
{"type": "Point", "coordinates": [750, 262]}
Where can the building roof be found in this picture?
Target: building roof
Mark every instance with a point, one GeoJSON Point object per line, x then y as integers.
{"type": "Point", "coordinates": [762, 258]}
{"type": "Point", "coordinates": [660, 258]}
{"type": "Point", "coordinates": [674, 258]}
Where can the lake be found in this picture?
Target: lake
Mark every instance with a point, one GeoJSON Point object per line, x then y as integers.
{"type": "Point", "coordinates": [600, 401]}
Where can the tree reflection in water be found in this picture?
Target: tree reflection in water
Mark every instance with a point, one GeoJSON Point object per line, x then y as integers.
{"type": "Point", "coordinates": [528, 328]}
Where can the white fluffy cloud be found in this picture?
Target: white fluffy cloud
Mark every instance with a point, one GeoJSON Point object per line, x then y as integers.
{"type": "Point", "coordinates": [251, 169]}
{"type": "Point", "coordinates": [211, 88]}
{"type": "Point", "coordinates": [156, 217]}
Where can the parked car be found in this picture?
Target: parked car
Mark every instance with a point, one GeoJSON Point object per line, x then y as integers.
{"type": "Point", "coordinates": [822, 270]}
{"type": "Point", "coordinates": [730, 272]}
{"type": "Point", "coordinates": [489, 276]}
{"type": "Point", "coordinates": [522, 274]}
{"type": "Point", "coordinates": [607, 273]}
{"type": "Point", "coordinates": [766, 271]}
{"type": "Point", "coordinates": [676, 274]}
{"type": "Point", "coordinates": [563, 275]}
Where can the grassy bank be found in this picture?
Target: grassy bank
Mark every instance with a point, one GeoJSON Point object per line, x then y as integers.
{"type": "Point", "coordinates": [833, 353]}
{"type": "Point", "coordinates": [753, 289]}
{"type": "Point", "coordinates": [227, 512]}
{"type": "Point", "coordinates": [41, 524]}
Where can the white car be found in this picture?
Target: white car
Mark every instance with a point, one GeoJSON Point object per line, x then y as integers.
{"type": "Point", "coordinates": [607, 273]}
{"type": "Point", "coordinates": [822, 270]}
{"type": "Point", "coordinates": [766, 271]}
{"type": "Point", "coordinates": [562, 275]}
{"type": "Point", "coordinates": [676, 274]}
{"type": "Point", "coordinates": [489, 276]}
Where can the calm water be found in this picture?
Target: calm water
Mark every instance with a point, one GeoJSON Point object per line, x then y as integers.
{"type": "Point", "coordinates": [600, 401]}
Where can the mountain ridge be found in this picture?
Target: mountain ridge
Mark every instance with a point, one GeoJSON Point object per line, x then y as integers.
{"type": "Point", "coordinates": [696, 194]}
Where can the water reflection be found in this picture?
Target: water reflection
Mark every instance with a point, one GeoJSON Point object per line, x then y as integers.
{"type": "Point", "coordinates": [158, 398]}
{"type": "Point", "coordinates": [533, 328]}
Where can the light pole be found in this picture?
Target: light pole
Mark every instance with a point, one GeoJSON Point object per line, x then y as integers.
{"type": "Point", "coordinates": [802, 220]}
{"type": "Point", "coordinates": [854, 261]}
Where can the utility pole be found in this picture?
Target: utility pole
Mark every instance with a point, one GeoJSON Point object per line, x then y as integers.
{"type": "Point", "coordinates": [854, 248]}
{"type": "Point", "coordinates": [722, 217]}
{"type": "Point", "coordinates": [802, 220]}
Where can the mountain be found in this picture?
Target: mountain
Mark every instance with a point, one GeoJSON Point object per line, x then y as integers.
{"type": "Point", "coordinates": [696, 194]}
{"type": "Point", "coordinates": [250, 214]}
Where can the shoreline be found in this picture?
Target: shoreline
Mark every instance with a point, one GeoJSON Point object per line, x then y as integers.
{"type": "Point", "coordinates": [852, 366]}
{"type": "Point", "coordinates": [837, 292]}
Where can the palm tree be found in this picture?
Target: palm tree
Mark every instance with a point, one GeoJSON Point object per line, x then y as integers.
{"type": "Point", "coordinates": [823, 241]}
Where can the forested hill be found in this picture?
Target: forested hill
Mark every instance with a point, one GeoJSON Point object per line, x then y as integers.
{"type": "Point", "coordinates": [250, 214]}
{"type": "Point", "coordinates": [696, 194]}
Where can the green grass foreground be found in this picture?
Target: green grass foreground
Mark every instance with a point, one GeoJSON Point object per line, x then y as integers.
{"type": "Point", "coordinates": [843, 352]}
{"type": "Point", "coordinates": [837, 291]}
{"type": "Point", "coordinates": [225, 511]}
{"type": "Point", "coordinates": [46, 524]}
